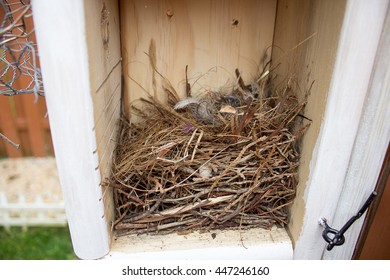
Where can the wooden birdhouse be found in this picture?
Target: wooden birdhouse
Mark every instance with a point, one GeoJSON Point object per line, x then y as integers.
{"type": "Point", "coordinates": [96, 61]}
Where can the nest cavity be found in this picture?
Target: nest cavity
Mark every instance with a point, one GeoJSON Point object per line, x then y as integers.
{"type": "Point", "coordinates": [221, 160]}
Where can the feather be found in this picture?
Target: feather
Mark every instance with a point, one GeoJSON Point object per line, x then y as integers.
{"type": "Point", "coordinates": [185, 102]}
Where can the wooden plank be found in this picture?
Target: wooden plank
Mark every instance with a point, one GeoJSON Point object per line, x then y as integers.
{"type": "Point", "coordinates": [211, 37]}
{"type": "Point", "coordinates": [8, 127]}
{"type": "Point", "coordinates": [76, 61]}
{"type": "Point", "coordinates": [381, 185]}
{"type": "Point", "coordinates": [330, 159]}
{"type": "Point", "coordinates": [377, 243]}
{"type": "Point", "coordinates": [21, 123]}
{"type": "Point", "coordinates": [19, 110]}
{"type": "Point", "coordinates": [2, 148]}
{"type": "Point", "coordinates": [49, 143]}
{"type": "Point", "coordinates": [250, 244]}
{"type": "Point", "coordinates": [35, 129]}
{"type": "Point", "coordinates": [306, 41]}
{"type": "Point", "coordinates": [369, 148]}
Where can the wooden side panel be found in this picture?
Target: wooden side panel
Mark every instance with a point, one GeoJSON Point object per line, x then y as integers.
{"type": "Point", "coordinates": [339, 58]}
{"type": "Point", "coordinates": [211, 37]}
{"type": "Point", "coordinates": [306, 40]}
{"type": "Point", "coordinates": [104, 58]}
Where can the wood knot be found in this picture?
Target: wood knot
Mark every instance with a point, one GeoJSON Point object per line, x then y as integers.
{"type": "Point", "coordinates": [169, 13]}
{"type": "Point", "coordinates": [235, 22]}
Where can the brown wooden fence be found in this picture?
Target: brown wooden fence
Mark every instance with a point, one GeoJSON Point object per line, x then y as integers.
{"type": "Point", "coordinates": [24, 122]}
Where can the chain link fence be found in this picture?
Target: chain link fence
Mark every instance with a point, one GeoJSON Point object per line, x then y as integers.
{"type": "Point", "coordinates": [19, 66]}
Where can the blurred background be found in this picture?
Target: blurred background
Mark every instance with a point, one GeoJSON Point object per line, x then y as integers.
{"type": "Point", "coordinates": [32, 217]}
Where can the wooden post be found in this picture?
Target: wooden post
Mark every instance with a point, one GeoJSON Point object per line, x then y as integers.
{"type": "Point", "coordinates": [81, 73]}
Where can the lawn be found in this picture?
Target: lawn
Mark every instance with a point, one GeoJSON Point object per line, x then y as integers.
{"type": "Point", "coordinates": [37, 243]}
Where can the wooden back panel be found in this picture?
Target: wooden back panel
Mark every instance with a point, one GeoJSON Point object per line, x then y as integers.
{"type": "Point", "coordinates": [211, 37]}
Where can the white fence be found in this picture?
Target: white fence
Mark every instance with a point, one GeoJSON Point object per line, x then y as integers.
{"type": "Point", "coordinates": [37, 213]}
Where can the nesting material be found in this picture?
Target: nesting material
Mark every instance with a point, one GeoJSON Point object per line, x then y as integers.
{"type": "Point", "coordinates": [216, 161]}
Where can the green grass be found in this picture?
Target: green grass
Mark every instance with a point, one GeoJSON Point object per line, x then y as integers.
{"type": "Point", "coordinates": [37, 243]}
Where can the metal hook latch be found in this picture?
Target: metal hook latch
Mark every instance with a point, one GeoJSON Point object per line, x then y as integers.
{"type": "Point", "coordinates": [336, 237]}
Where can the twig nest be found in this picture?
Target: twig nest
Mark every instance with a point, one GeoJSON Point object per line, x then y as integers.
{"type": "Point", "coordinates": [223, 160]}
